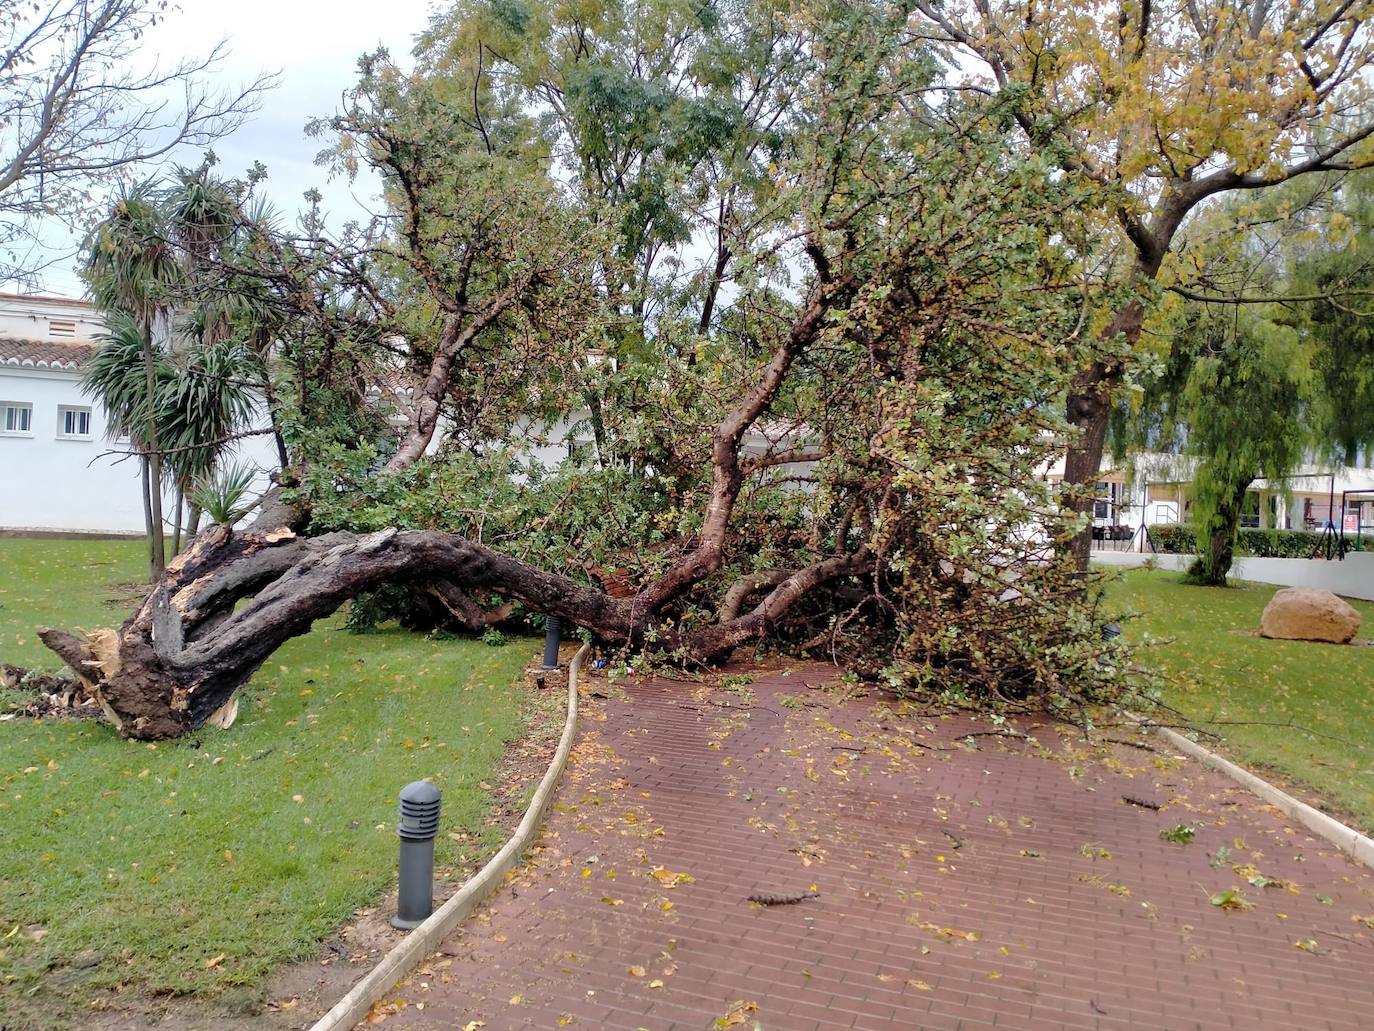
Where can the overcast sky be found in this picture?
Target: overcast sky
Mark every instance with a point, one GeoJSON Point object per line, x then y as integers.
{"type": "Point", "coordinates": [315, 45]}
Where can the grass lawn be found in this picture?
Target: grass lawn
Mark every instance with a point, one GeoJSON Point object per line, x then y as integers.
{"type": "Point", "coordinates": [1218, 670]}
{"type": "Point", "coordinates": [198, 865]}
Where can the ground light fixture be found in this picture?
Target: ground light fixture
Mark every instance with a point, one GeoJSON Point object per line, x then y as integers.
{"type": "Point", "coordinates": [553, 637]}
{"type": "Point", "coordinates": [417, 828]}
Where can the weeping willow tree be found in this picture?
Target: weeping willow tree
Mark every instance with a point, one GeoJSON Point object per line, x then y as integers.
{"type": "Point", "coordinates": [1268, 365]}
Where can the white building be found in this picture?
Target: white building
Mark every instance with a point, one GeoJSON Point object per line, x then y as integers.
{"type": "Point", "coordinates": [59, 468]}
{"type": "Point", "coordinates": [1152, 488]}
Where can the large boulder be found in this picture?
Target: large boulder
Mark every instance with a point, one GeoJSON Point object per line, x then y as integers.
{"type": "Point", "coordinates": [1309, 614]}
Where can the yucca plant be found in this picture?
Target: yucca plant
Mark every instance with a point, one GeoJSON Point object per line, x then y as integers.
{"type": "Point", "coordinates": [224, 495]}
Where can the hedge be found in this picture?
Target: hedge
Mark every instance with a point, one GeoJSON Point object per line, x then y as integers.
{"type": "Point", "coordinates": [1181, 539]}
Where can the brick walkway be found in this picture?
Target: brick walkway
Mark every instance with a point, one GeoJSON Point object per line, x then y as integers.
{"type": "Point", "coordinates": [1007, 886]}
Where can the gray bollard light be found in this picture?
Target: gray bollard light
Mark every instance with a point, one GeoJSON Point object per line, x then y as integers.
{"type": "Point", "coordinates": [418, 826]}
{"type": "Point", "coordinates": [553, 635]}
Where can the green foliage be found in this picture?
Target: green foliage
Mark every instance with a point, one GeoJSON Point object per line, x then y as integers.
{"type": "Point", "coordinates": [1231, 899]}
{"type": "Point", "coordinates": [932, 387]}
{"type": "Point", "coordinates": [184, 362]}
{"type": "Point", "coordinates": [223, 496]}
{"type": "Point", "coordinates": [1254, 390]}
{"type": "Point", "coordinates": [687, 242]}
{"type": "Point", "coordinates": [371, 609]}
{"type": "Point", "coordinates": [1179, 834]}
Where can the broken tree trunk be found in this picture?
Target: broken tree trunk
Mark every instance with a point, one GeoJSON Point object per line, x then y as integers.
{"type": "Point", "coordinates": [190, 646]}
{"type": "Point", "coordinates": [226, 605]}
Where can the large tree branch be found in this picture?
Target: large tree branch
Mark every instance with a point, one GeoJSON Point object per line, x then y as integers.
{"type": "Point", "coordinates": [456, 335]}
{"type": "Point", "coordinates": [1330, 295]}
{"type": "Point", "coordinates": [727, 473]}
{"type": "Point", "coordinates": [714, 641]}
{"type": "Point", "coordinates": [151, 691]}
{"type": "Point", "coordinates": [1322, 159]}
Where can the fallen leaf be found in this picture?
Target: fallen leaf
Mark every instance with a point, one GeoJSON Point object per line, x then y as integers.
{"type": "Point", "coordinates": [737, 1013]}
{"type": "Point", "coordinates": [668, 878]}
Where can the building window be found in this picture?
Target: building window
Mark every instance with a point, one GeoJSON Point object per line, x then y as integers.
{"type": "Point", "coordinates": [16, 418]}
{"type": "Point", "coordinates": [61, 327]}
{"type": "Point", "coordinates": [73, 423]}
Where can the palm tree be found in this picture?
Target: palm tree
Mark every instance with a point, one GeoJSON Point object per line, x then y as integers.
{"type": "Point", "coordinates": [132, 269]}
{"type": "Point", "coordinates": [117, 376]}
{"type": "Point", "coordinates": [157, 267]}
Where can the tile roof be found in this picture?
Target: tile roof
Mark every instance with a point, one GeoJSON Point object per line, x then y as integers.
{"type": "Point", "coordinates": [44, 354]}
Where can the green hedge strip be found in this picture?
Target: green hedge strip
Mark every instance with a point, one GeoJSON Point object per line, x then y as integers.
{"type": "Point", "coordinates": [1181, 539]}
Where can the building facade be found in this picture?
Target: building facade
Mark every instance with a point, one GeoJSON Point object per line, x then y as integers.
{"type": "Point", "coordinates": [1154, 489]}
{"type": "Point", "coordinates": [60, 467]}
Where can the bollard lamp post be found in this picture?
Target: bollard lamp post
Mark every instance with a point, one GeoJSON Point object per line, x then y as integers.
{"type": "Point", "coordinates": [553, 636]}
{"type": "Point", "coordinates": [417, 828]}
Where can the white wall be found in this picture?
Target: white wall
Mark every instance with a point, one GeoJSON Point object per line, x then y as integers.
{"type": "Point", "coordinates": [51, 484]}
{"type": "Point", "coordinates": [31, 318]}
{"type": "Point", "coordinates": [1352, 577]}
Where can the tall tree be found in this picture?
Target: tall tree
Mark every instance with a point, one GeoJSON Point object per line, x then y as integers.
{"type": "Point", "coordinates": [183, 370]}
{"type": "Point", "coordinates": [1241, 395]}
{"type": "Point", "coordinates": [1166, 106]}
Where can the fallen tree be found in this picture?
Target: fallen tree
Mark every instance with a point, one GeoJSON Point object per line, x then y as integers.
{"type": "Point", "coordinates": [843, 452]}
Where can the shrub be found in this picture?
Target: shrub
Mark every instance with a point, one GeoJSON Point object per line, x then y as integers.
{"type": "Point", "coordinates": [1181, 539]}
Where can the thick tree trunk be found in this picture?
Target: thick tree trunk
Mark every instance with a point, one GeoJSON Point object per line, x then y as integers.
{"type": "Point", "coordinates": [190, 646]}
{"type": "Point", "coordinates": [1089, 406]}
{"type": "Point", "coordinates": [227, 604]}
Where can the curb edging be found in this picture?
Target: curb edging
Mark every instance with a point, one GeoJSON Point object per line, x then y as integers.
{"type": "Point", "coordinates": [408, 953]}
{"type": "Point", "coordinates": [1347, 839]}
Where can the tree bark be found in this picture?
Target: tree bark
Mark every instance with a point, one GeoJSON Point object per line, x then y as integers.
{"type": "Point", "coordinates": [1089, 405]}
{"type": "Point", "coordinates": [1088, 408]}
{"type": "Point", "coordinates": [192, 524]}
{"type": "Point", "coordinates": [176, 520]}
{"type": "Point", "coordinates": [292, 582]}
{"type": "Point", "coordinates": [147, 511]}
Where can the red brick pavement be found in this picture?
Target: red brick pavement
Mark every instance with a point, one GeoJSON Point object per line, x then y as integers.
{"type": "Point", "coordinates": [1004, 887]}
